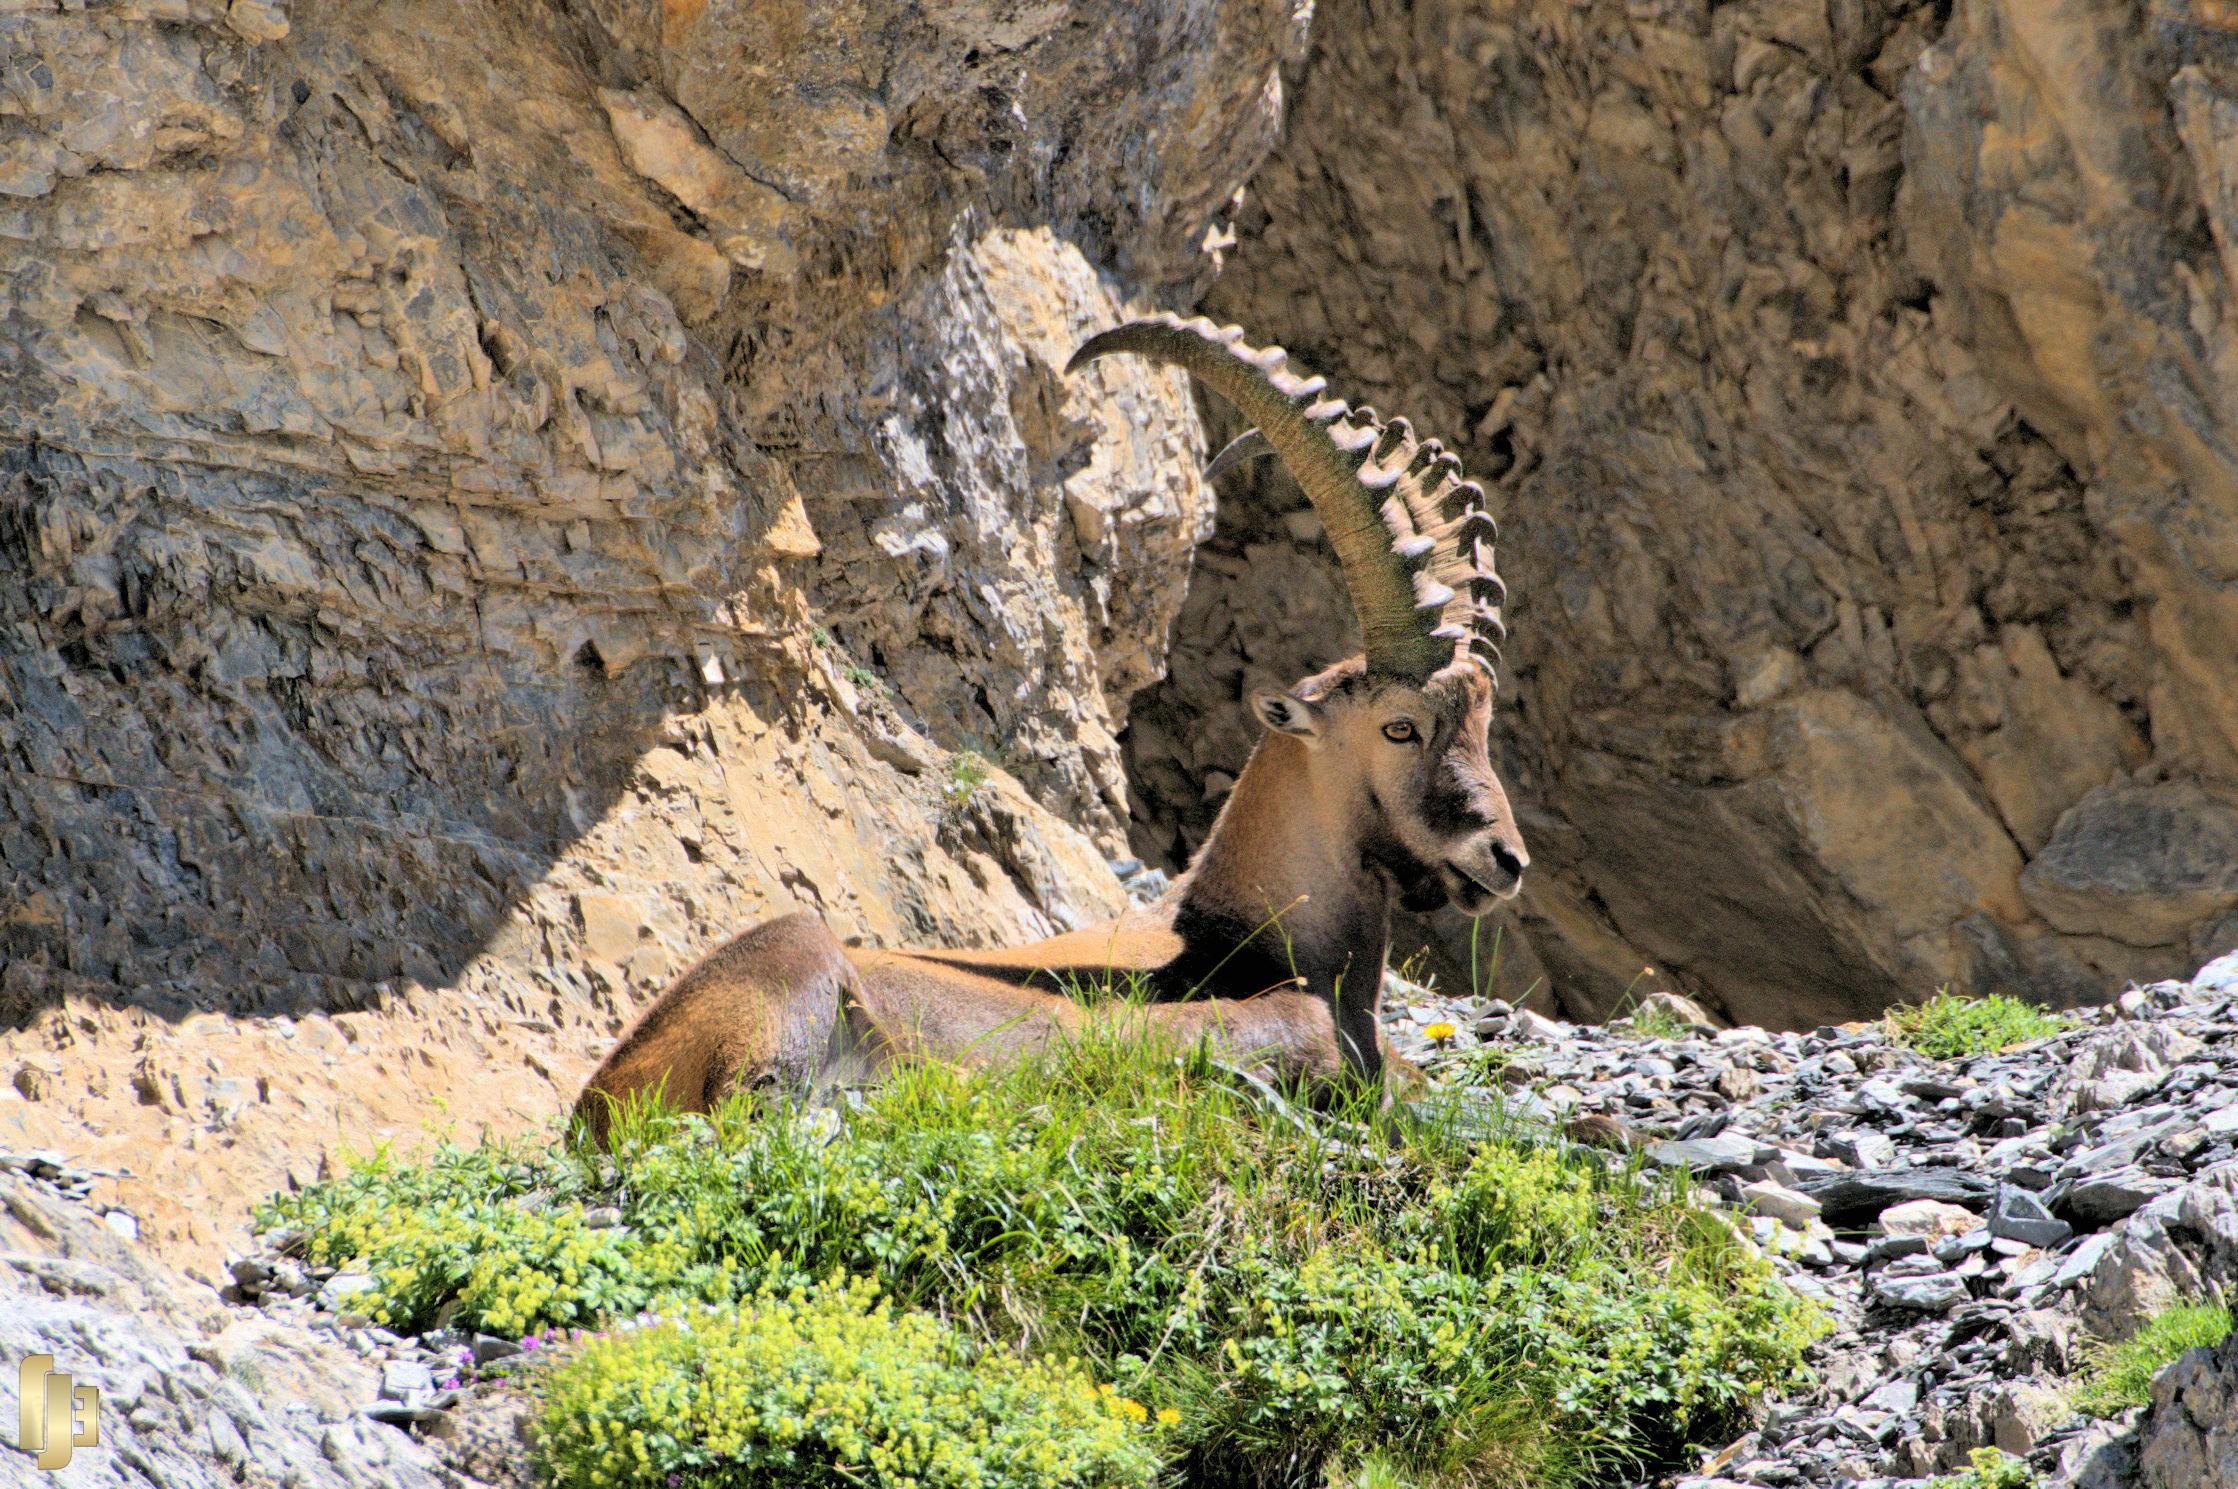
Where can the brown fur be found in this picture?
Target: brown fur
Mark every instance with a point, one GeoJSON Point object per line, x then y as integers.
{"type": "Point", "coordinates": [1272, 943]}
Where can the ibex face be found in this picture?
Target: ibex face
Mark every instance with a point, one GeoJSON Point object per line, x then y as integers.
{"type": "Point", "coordinates": [1407, 764]}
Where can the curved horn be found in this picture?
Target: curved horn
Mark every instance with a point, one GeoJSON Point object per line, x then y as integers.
{"type": "Point", "coordinates": [1412, 535]}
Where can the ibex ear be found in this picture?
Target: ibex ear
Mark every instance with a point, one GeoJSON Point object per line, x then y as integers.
{"type": "Point", "coordinates": [1287, 713]}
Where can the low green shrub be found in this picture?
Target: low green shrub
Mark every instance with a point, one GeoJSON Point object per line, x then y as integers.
{"type": "Point", "coordinates": [829, 1387]}
{"type": "Point", "coordinates": [1290, 1288]}
{"type": "Point", "coordinates": [1989, 1468]}
{"type": "Point", "coordinates": [2116, 1377]}
{"type": "Point", "coordinates": [1948, 1026]}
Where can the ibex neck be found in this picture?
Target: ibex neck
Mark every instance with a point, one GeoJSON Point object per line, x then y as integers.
{"type": "Point", "coordinates": [1283, 867]}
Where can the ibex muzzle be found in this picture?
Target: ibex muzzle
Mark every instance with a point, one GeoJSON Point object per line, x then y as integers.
{"type": "Point", "coordinates": [1374, 783]}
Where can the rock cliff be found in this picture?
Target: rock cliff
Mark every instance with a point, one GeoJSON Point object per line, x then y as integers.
{"type": "Point", "coordinates": [1856, 386]}
{"type": "Point", "coordinates": [496, 497]}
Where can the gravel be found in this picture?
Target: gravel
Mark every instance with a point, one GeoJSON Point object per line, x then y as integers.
{"type": "Point", "coordinates": [1968, 1223]}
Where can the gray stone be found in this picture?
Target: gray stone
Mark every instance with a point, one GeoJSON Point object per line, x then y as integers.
{"type": "Point", "coordinates": [2115, 1068]}
{"type": "Point", "coordinates": [2019, 1216]}
{"type": "Point", "coordinates": [2189, 1440]}
{"type": "Point", "coordinates": [1891, 1248]}
{"type": "Point", "coordinates": [1952, 1249]}
{"type": "Point", "coordinates": [338, 1291]}
{"type": "Point", "coordinates": [1853, 1198]}
{"type": "Point", "coordinates": [402, 1380]}
{"type": "Point", "coordinates": [1936, 1292]}
{"type": "Point", "coordinates": [2082, 1261]}
{"type": "Point", "coordinates": [1862, 1148]}
{"type": "Point", "coordinates": [1708, 1156]}
{"type": "Point", "coordinates": [2138, 864]}
{"type": "Point", "coordinates": [1899, 1396]}
{"type": "Point", "coordinates": [2219, 975]}
{"type": "Point", "coordinates": [166, 1418]}
{"type": "Point", "coordinates": [2106, 1198]}
{"type": "Point", "coordinates": [1524, 1023]}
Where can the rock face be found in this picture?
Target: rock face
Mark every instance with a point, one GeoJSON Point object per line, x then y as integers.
{"type": "Point", "coordinates": [2191, 1440]}
{"type": "Point", "coordinates": [495, 498]}
{"type": "Point", "coordinates": [1855, 387]}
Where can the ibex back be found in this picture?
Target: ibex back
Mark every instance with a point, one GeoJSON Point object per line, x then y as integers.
{"type": "Point", "coordinates": [1373, 783]}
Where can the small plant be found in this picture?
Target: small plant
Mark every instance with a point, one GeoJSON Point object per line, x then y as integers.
{"type": "Point", "coordinates": [1476, 1065]}
{"type": "Point", "coordinates": [1948, 1026]}
{"type": "Point", "coordinates": [828, 1386]}
{"type": "Point", "coordinates": [1990, 1468]}
{"type": "Point", "coordinates": [1658, 1023]}
{"type": "Point", "coordinates": [2119, 1376]}
{"type": "Point", "coordinates": [968, 771]}
{"type": "Point", "coordinates": [862, 677]}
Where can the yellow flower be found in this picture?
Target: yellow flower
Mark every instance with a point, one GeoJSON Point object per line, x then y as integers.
{"type": "Point", "coordinates": [1168, 1416]}
{"type": "Point", "coordinates": [1441, 1032]}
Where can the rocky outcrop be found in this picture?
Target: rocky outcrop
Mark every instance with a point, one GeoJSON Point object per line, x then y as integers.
{"type": "Point", "coordinates": [494, 498]}
{"type": "Point", "coordinates": [1855, 385]}
{"type": "Point", "coordinates": [2191, 1439]}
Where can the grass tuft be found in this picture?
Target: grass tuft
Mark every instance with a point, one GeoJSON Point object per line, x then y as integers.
{"type": "Point", "coordinates": [1280, 1289]}
{"type": "Point", "coordinates": [1990, 1468]}
{"type": "Point", "coordinates": [2119, 1376]}
{"type": "Point", "coordinates": [1948, 1026]}
{"type": "Point", "coordinates": [1656, 1023]}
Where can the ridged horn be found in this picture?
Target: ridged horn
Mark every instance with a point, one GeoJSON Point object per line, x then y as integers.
{"type": "Point", "coordinates": [1412, 534]}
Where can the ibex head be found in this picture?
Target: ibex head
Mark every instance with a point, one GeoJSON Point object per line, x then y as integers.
{"type": "Point", "coordinates": [1395, 737]}
{"type": "Point", "coordinates": [1408, 764]}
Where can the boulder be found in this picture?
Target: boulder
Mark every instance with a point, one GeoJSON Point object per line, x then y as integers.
{"type": "Point", "coordinates": [1850, 1199]}
{"type": "Point", "coordinates": [2190, 1438]}
{"type": "Point", "coordinates": [2137, 864]}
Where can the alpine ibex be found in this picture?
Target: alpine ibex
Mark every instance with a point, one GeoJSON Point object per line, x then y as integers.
{"type": "Point", "coordinates": [1373, 782]}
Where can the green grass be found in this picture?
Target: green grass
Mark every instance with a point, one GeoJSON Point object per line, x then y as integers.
{"type": "Point", "coordinates": [1278, 1289]}
{"type": "Point", "coordinates": [1948, 1026]}
{"type": "Point", "coordinates": [1990, 1468]}
{"type": "Point", "coordinates": [2119, 1376]}
{"type": "Point", "coordinates": [1657, 1023]}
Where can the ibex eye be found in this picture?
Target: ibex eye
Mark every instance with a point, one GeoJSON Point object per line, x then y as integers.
{"type": "Point", "coordinates": [1399, 731]}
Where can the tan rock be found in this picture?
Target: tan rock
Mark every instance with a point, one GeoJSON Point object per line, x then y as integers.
{"type": "Point", "coordinates": [612, 926]}
{"type": "Point", "coordinates": [2051, 739]}
{"type": "Point", "coordinates": [1929, 1219]}
{"type": "Point", "coordinates": [748, 221]}
{"type": "Point", "coordinates": [2023, 1412]}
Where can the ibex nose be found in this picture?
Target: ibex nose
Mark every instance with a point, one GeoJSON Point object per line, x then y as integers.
{"type": "Point", "coordinates": [1513, 860]}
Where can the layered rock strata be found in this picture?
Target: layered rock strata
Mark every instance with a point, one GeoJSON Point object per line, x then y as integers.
{"type": "Point", "coordinates": [1855, 384]}
{"type": "Point", "coordinates": [494, 498]}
